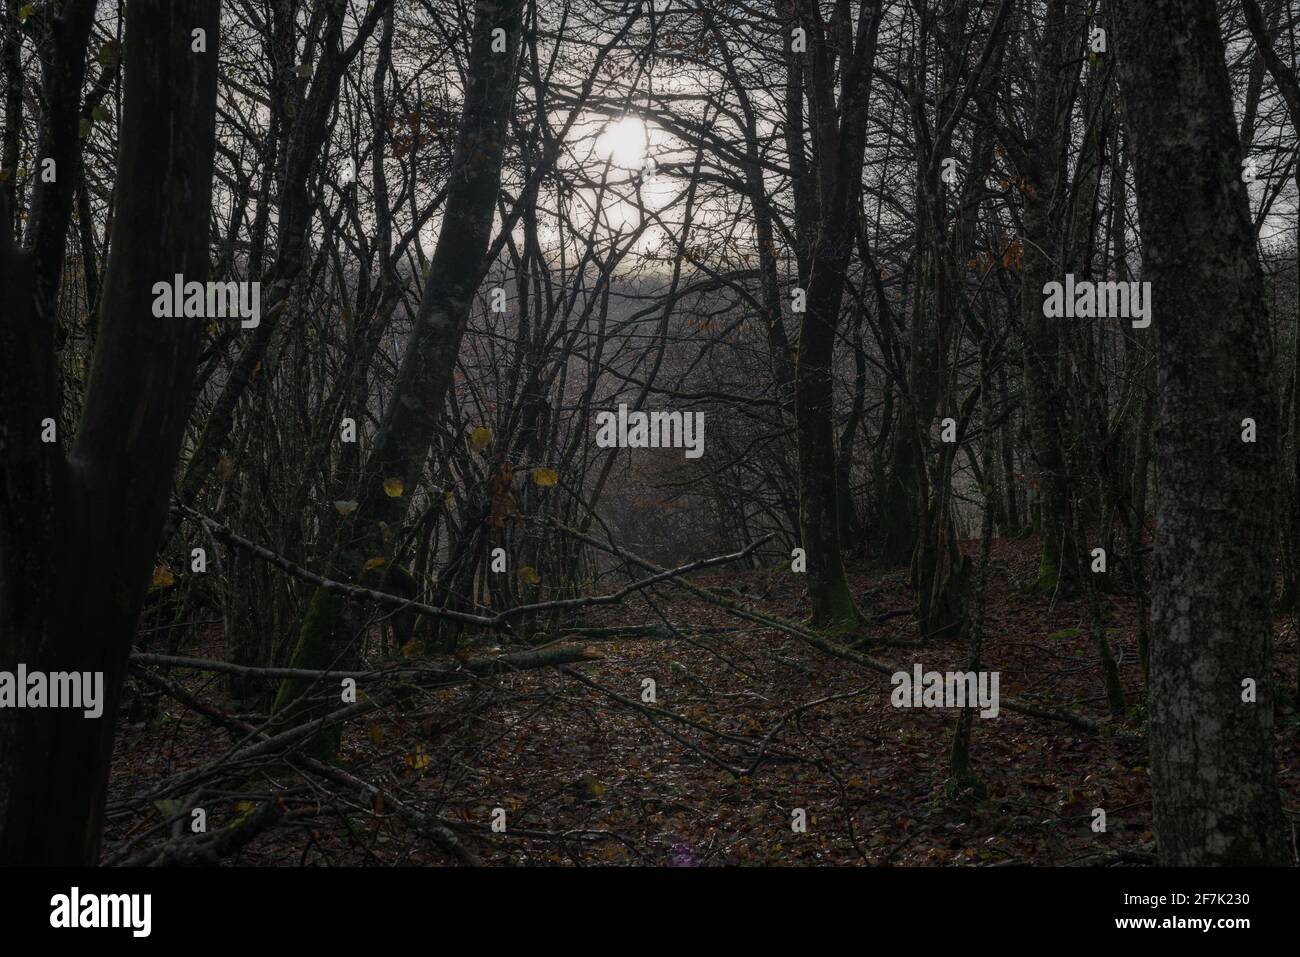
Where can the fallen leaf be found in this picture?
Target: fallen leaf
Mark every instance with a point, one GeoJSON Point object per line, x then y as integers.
{"type": "Point", "coordinates": [588, 788]}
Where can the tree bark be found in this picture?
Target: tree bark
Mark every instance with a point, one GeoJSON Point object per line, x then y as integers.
{"type": "Point", "coordinates": [78, 533]}
{"type": "Point", "coordinates": [1042, 186]}
{"type": "Point", "coordinates": [827, 192]}
{"type": "Point", "coordinates": [411, 416]}
{"type": "Point", "coordinates": [1212, 763]}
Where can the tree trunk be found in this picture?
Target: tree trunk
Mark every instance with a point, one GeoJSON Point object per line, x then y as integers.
{"type": "Point", "coordinates": [827, 191]}
{"type": "Point", "coordinates": [412, 414]}
{"type": "Point", "coordinates": [1212, 764]}
{"type": "Point", "coordinates": [1042, 184]}
{"type": "Point", "coordinates": [78, 533]}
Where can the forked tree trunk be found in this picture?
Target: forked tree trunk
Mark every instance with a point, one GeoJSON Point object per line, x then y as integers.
{"type": "Point", "coordinates": [78, 532]}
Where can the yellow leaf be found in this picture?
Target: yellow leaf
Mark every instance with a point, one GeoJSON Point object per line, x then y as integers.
{"type": "Point", "coordinates": [418, 760]}
{"type": "Point", "coordinates": [163, 577]}
{"type": "Point", "coordinates": [377, 562]}
{"type": "Point", "coordinates": [375, 731]}
{"type": "Point", "coordinates": [480, 437]}
{"type": "Point", "coordinates": [412, 648]}
{"type": "Point", "coordinates": [588, 787]}
{"type": "Point", "coordinates": [345, 507]}
{"type": "Point", "coordinates": [545, 477]}
{"type": "Point", "coordinates": [448, 497]}
{"type": "Point", "coordinates": [225, 467]}
{"type": "Point", "coordinates": [393, 487]}
{"type": "Point", "coordinates": [529, 575]}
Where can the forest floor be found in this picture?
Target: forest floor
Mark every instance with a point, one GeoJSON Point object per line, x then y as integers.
{"type": "Point", "coordinates": [777, 725]}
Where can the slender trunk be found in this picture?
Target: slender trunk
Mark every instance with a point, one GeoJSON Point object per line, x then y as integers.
{"type": "Point", "coordinates": [963, 773]}
{"type": "Point", "coordinates": [1042, 185]}
{"type": "Point", "coordinates": [332, 626]}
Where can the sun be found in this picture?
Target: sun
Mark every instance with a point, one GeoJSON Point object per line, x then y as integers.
{"type": "Point", "coordinates": [623, 143]}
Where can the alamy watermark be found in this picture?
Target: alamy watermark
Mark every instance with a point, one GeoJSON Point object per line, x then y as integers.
{"type": "Point", "coordinates": [1085, 299]}
{"type": "Point", "coordinates": [950, 689]}
{"type": "Point", "coordinates": [76, 909]}
{"type": "Point", "coordinates": [651, 430]}
{"type": "Point", "coordinates": [57, 689]}
{"type": "Point", "coordinates": [210, 300]}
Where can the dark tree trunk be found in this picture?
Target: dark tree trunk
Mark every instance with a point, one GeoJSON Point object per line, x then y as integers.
{"type": "Point", "coordinates": [1289, 502]}
{"type": "Point", "coordinates": [1042, 186]}
{"type": "Point", "coordinates": [412, 414]}
{"type": "Point", "coordinates": [1212, 765]}
{"type": "Point", "coordinates": [10, 62]}
{"type": "Point", "coordinates": [827, 186]}
{"type": "Point", "coordinates": [78, 533]}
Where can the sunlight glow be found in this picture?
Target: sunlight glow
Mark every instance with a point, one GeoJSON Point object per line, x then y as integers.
{"type": "Point", "coordinates": [623, 143]}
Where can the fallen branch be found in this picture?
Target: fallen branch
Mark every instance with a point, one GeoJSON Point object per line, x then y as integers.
{"type": "Point", "coordinates": [499, 621]}
{"type": "Point", "coordinates": [352, 591]}
{"type": "Point", "coordinates": [422, 676]}
{"type": "Point", "coordinates": [661, 575]}
{"type": "Point", "coordinates": [824, 645]}
{"type": "Point", "coordinates": [268, 744]}
{"type": "Point", "coordinates": [422, 823]}
{"type": "Point", "coordinates": [211, 849]}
